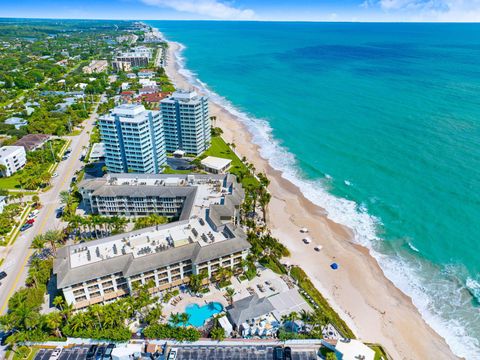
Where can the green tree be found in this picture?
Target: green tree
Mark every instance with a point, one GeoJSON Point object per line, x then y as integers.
{"type": "Point", "coordinates": [229, 293]}
{"type": "Point", "coordinates": [217, 333]}
{"type": "Point", "coordinates": [38, 243]}
{"type": "Point", "coordinates": [175, 319]}
{"type": "Point", "coordinates": [196, 281]}
{"type": "Point", "coordinates": [184, 318]}
{"type": "Point", "coordinates": [331, 356]}
{"type": "Point", "coordinates": [36, 199]}
{"type": "Point", "coordinates": [53, 237]}
{"type": "Point", "coordinates": [53, 322]}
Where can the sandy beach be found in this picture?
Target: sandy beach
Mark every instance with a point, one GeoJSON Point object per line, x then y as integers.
{"type": "Point", "coordinates": [371, 305]}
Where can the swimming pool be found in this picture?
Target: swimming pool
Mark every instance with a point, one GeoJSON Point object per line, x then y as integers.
{"type": "Point", "coordinates": [199, 314]}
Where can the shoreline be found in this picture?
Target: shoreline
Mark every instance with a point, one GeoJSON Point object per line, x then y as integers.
{"type": "Point", "coordinates": [390, 319]}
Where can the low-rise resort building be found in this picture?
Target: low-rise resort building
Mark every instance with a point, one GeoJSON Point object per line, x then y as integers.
{"type": "Point", "coordinates": [205, 238]}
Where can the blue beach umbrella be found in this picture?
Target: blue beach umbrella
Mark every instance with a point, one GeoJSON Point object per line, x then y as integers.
{"type": "Point", "coordinates": [334, 266]}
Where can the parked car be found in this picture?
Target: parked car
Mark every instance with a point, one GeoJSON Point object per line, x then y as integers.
{"type": "Point", "coordinates": [172, 355]}
{"type": "Point", "coordinates": [3, 275]}
{"type": "Point", "coordinates": [100, 352]}
{"type": "Point", "coordinates": [56, 353]}
{"type": "Point", "coordinates": [30, 221]}
{"type": "Point", "coordinates": [4, 336]}
{"type": "Point", "coordinates": [287, 353]}
{"type": "Point", "coordinates": [26, 226]}
{"type": "Point", "coordinates": [54, 175]}
{"type": "Point", "coordinates": [91, 352]}
{"type": "Point", "coordinates": [59, 213]}
{"type": "Point", "coordinates": [33, 214]}
{"type": "Point", "coordinates": [108, 352]}
{"type": "Point", "coordinates": [277, 353]}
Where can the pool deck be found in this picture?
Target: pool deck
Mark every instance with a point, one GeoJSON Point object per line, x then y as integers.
{"type": "Point", "coordinates": [242, 289]}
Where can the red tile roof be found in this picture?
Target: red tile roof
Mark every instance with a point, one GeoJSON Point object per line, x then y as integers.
{"type": "Point", "coordinates": [154, 97]}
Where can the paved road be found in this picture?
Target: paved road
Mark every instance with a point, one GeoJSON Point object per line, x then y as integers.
{"type": "Point", "coordinates": [18, 254]}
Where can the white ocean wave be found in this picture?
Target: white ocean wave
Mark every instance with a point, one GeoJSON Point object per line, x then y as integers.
{"type": "Point", "coordinates": [411, 246]}
{"type": "Point", "coordinates": [402, 273]}
{"type": "Point", "coordinates": [474, 288]}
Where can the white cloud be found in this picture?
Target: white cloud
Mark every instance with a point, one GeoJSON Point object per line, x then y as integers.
{"type": "Point", "coordinates": [428, 10]}
{"type": "Point", "coordinates": [210, 8]}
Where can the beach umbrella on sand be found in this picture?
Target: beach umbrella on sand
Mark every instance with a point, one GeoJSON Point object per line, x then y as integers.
{"type": "Point", "coordinates": [334, 266]}
{"type": "Point", "coordinates": [304, 230]}
{"type": "Point", "coordinates": [307, 240]}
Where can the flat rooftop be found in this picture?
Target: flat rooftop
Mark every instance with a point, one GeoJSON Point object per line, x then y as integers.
{"type": "Point", "coordinates": [6, 151]}
{"type": "Point", "coordinates": [183, 96]}
{"type": "Point", "coordinates": [193, 237]}
{"type": "Point", "coordinates": [146, 241]}
{"type": "Point", "coordinates": [216, 163]}
{"type": "Point", "coordinates": [128, 113]}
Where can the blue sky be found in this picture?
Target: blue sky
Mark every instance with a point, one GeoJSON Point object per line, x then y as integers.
{"type": "Point", "coordinates": [293, 10]}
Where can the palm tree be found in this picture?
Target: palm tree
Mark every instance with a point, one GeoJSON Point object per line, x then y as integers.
{"type": "Point", "coordinates": [58, 302]}
{"type": "Point", "coordinates": [97, 311]}
{"type": "Point", "coordinates": [53, 237]}
{"type": "Point", "coordinates": [175, 319]}
{"type": "Point", "coordinates": [195, 282]}
{"type": "Point", "coordinates": [118, 223]}
{"type": "Point", "coordinates": [213, 119]}
{"type": "Point", "coordinates": [45, 178]}
{"type": "Point", "coordinates": [306, 317]}
{"type": "Point", "coordinates": [65, 197]}
{"type": "Point", "coordinates": [36, 199]}
{"type": "Point", "coordinates": [53, 322]}
{"type": "Point", "coordinates": [38, 243]}
{"type": "Point", "coordinates": [263, 180]}
{"type": "Point", "coordinates": [110, 317]}
{"type": "Point", "coordinates": [229, 295]}
{"type": "Point", "coordinates": [3, 170]}
{"type": "Point", "coordinates": [154, 315]}
{"type": "Point", "coordinates": [78, 321]}
{"type": "Point", "coordinates": [184, 317]}
{"type": "Point", "coordinates": [264, 199]}
{"type": "Point", "coordinates": [291, 319]}
{"type": "Point", "coordinates": [74, 223]}
{"type": "Point", "coordinates": [223, 274]}
{"type": "Point", "coordinates": [67, 311]}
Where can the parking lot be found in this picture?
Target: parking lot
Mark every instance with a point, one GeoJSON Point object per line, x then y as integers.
{"type": "Point", "coordinates": [76, 353]}
{"type": "Point", "coordinates": [197, 353]}
{"type": "Point", "coordinates": [236, 353]}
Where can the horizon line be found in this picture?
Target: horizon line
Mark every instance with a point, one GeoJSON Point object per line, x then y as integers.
{"type": "Point", "coordinates": [253, 20]}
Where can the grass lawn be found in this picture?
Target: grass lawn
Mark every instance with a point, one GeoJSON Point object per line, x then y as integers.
{"type": "Point", "coordinates": [30, 354]}
{"type": "Point", "coordinates": [379, 352]}
{"type": "Point", "coordinates": [11, 182]}
{"type": "Point", "coordinates": [219, 148]}
{"type": "Point", "coordinates": [169, 170]}
{"type": "Point", "coordinates": [305, 283]}
{"type": "Point", "coordinates": [75, 132]}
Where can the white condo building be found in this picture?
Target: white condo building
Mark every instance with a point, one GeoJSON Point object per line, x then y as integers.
{"type": "Point", "coordinates": [134, 140]}
{"type": "Point", "coordinates": [205, 239]}
{"type": "Point", "coordinates": [186, 122]}
{"type": "Point", "coordinates": [13, 158]}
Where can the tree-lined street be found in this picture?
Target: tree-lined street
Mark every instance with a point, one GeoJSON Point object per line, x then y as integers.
{"type": "Point", "coordinates": [17, 255]}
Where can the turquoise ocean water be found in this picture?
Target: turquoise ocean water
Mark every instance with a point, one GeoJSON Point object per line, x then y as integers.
{"type": "Point", "coordinates": [377, 123]}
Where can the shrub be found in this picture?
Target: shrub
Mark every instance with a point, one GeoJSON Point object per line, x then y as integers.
{"type": "Point", "coordinates": [167, 331]}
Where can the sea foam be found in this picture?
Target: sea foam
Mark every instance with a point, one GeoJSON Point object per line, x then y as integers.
{"type": "Point", "coordinates": [403, 273]}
